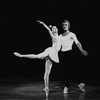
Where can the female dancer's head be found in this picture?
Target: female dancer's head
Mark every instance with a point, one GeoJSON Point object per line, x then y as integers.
{"type": "Point", "coordinates": [54, 30]}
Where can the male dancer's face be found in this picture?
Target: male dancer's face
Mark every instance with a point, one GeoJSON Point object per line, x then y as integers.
{"type": "Point", "coordinates": [65, 26]}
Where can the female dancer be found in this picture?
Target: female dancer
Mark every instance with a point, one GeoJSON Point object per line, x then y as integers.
{"type": "Point", "coordinates": [50, 54]}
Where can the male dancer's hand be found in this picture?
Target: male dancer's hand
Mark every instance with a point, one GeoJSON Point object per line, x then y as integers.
{"type": "Point", "coordinates": [85, 53]}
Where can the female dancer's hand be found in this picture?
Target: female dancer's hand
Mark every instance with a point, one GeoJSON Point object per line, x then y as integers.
{"type": "Point", "coordinates": [40, 22]}
{"type": "Point", "coordinates": [17, 54]}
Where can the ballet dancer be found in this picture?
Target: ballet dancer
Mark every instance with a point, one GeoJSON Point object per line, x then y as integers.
{"type": "Point", "coordinates": [68, 38]}
{"type": "Point", "coordinates": [50, 54]}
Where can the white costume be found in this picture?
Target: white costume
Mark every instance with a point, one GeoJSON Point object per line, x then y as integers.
{"type": "Point", "coordinates": [65, 42]}
{"type": "Point", "coordinates": [53, 51]}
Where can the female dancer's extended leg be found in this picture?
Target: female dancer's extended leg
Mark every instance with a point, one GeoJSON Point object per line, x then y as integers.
{"type": "Point", "coordinates": [48, 66]}
{"type": "Point", "coordinates": [34, 56]}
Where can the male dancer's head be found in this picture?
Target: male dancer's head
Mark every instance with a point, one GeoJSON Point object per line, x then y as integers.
{"type": "Point", "coordinates": [66, 25]}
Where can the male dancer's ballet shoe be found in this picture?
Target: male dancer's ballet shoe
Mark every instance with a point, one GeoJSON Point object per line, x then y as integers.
{"type": "Point", "coordinates": [81, 87]}
{"type": "Point", "coordinates": [65, 90]}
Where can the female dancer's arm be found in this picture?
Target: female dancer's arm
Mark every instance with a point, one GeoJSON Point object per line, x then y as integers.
{"type": "Point", "coordinates": [50, 32]}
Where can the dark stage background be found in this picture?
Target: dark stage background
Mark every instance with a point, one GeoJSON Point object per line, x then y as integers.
{"type": "Point", "coordinates": [21, 33]}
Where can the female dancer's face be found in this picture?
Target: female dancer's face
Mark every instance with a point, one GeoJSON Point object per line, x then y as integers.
{"type": "Point", "coordinates": [55, 30]}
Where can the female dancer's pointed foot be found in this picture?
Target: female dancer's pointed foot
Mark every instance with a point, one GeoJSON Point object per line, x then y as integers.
{"type": "Point", "coordinates": [46, 89]}
{"type": "Point", "coordinates": [17, 54]}
{"type": "Point", "coordinates": [47, 94]}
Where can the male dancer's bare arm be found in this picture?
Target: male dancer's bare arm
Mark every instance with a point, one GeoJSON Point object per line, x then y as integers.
{"type": "Point", "coordinates": [81, 49]}
{"type": "Point", "coordinates": [79, 45]}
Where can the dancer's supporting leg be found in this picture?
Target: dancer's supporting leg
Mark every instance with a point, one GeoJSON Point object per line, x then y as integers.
{"type": "Point", "coordinates": [48, 66]}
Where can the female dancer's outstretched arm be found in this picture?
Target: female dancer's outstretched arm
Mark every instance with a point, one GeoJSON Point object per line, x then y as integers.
{"type": "Point", "coordinates": [50, 32]}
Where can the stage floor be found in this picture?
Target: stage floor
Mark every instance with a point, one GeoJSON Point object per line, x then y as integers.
{"type": "Point", "coordinates": [34, 91]}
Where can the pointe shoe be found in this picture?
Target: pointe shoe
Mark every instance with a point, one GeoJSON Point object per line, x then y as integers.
{"type": "Point", "coordinates": [17, 54]}
{"type": "Point", "coordinates": [46, 91]}
{"type": "Point", "coordinates": [47, 94]}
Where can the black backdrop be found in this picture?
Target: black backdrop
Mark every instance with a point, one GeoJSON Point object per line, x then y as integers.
{"type": "Point", "coordinates": [21, 33]}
